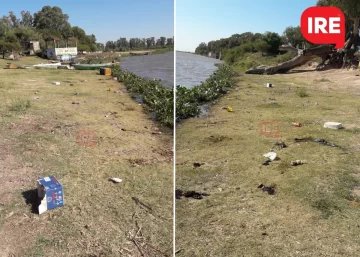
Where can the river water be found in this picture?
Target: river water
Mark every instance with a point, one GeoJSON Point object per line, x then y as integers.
{"type": "Point", "coordinates": [158, 66]}
{"type": "Point", "coordinates": [193, 69]}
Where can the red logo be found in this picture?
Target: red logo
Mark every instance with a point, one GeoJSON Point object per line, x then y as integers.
{"type": "Point", "coordinates": [323, 25]}
{"type": "Point", "coordinates": [86, 138]}
{"type": "Point", "coordinates": [270, 128]}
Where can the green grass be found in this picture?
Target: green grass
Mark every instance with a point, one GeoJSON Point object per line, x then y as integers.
{"type": "Point", "coordinates": [98, 215]}
{"type": "Point", "coordinates": [20, 106]}
{"type": "Point", "coordinates": [302, 93]}
{"type": "Point", "coordinates": [234, 217]}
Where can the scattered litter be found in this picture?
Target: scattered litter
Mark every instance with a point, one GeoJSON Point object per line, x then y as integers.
{"type": "Point", "coordinates": [115, 180]}
{"type": "Point", "coordinates": [189, 194]}
{"type": "Point", "coordinates": [10, 66]}
{"type": "Point", "coordinates": [110, 89]}
{"type": "Point", "coordinates": [36, 92]}
{"type": "Point", "coordinates": [83, 80]}
{"type": "Point", "coordinates": [36, 98]}
{"type": "Point", "coordinates": [75, 103]}
{"type": "Point", "coordinates": [333, 125]}
{"type": "Point", "coordinates": [269, 85]}
{"type": "Point", "coordinates": [229, 108]}
{"type": "Point", "coordinates": [298, 162]}
{"type": "Point", "coordinates": [51, 194]}
{"type": "Point", "coordinates": [319, 141]}
{"type": "Point", "coordinates": [156, 133]}
{"type": "Point", "coordinates": [77, 93]}
{"type": "Point", "coordinates": [56, 83]}
{"type": "Point", "coordinates": [267, 162]}
{"type": "Point", "coordinates": [114, 78]}
{"type": "Point", "coordinates": [197, 164]}
{"type": "Point", "coordinates": [297, 124]}
{"type": "Point", "coordinates": [270, 155]}
{"type": "Point", "coordinates": [269, 189]}
{"type": "Point", "coordinates": [280, 145]}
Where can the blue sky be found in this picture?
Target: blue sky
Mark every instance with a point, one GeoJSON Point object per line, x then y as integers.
{"type": "Point", "coordinates": [110, 19]}
{"type": "Point", "coordinates": [205, 20]}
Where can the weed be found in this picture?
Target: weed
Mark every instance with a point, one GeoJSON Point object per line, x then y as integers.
{"type": "Point", "coordinates": [302, 93]}
{"type": "Point", "coordinates": [20, 106]}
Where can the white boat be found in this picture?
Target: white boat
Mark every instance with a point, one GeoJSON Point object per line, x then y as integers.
{"type": "Point", "coordinates": [48, 65]}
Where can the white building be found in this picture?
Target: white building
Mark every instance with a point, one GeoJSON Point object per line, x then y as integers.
{"type": "Point", "coordinates": [58, 49]}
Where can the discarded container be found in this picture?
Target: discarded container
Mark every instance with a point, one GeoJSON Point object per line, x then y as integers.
{"type": "Point", "coordinates": [297, 162]}
{"type": "Point", "coordinates": [297, 124]}
{"type": "Point", "coordinates": [11, 66]}
{"type": "Point", "coordinates": [105, 71]}
{"type": "Point", "coordinates": [51, 194]}
{"type": "Point", "coordinates": [110, 89]}
{"type": "Point", "coordinates": [269, 85]}
{"type": "Point", "coordinates": [333, 125]}
{"type": "Point", "coordinates": [115, 180]}
{"type": "Point", "coordinates": [56, 83]}
{"type": "Point", "coordinates": [270, 155]}
{"type": "Point", "coordinates": [229, 108]}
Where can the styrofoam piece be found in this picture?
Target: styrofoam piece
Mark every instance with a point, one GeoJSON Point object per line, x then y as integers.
{"type": "Point", "coordinates": [270, 155]}
{"type": "Point", "coordinates": [333, 125]}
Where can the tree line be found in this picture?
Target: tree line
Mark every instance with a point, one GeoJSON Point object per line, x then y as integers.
{"type": "Point", "coordinates": [48, 22]}
{"type": "Point", "coordinates": [268, 43]}
{"type": "Point", "coordinates": [122, 44]}
{"type": "Point", "coordinates": [52, 22]}
{"type": "Point", "coordinates": [236, 46]}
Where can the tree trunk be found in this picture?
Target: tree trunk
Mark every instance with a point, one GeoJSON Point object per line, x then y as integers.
{"type": "Point", "coordinates": [303, 57]}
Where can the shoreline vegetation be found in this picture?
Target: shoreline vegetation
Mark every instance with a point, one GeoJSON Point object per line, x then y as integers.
{"type": "Point", "coordinates": [190, 100]}
{"type": "Point", "coordinates": [155, 97]}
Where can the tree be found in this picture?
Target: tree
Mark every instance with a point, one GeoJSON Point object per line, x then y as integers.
{"type": "Point", "coordinates": [293, 36]}
{"type": "Point", "coordinates": [79, 33]}
{"type": "Point", "coordinates": [162, 41]}
{"type": "Point", "coordinates": [273, 40]}
{"type": "Point", "coordinates": [148, 42]}
{"type": "Point", "coordinates": [26, 19]}
{"type": "Point", "coordinates": [8, 43]}
{"type": "Point", "coordinates": [52, 19]}
{"type": "Point", "coordinates": [262, 46]}
{"type": "Point", "coordinates": [158, 42]}
{"type": "Point", "coordinates": [201, 49]}
{"type": "Point", "coordinates": [169, 41]}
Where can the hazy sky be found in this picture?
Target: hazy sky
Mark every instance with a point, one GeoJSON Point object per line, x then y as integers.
{"type": "Point", "coordinates": [205, 20]}
{"type": "Point", "coordinates": [110, 19]}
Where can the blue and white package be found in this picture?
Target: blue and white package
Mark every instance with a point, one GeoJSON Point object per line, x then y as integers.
{"type": "Point", "coordinates": [51, 193]}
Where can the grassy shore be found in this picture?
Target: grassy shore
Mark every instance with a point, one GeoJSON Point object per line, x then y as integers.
{"type": "Point", "coordinates": [40, 124]}
{"type": "Point", "coordinates": [311, 214]}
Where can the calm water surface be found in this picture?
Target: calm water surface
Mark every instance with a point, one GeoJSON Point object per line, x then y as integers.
{"type": "Point", "coordinates": [159, 66]}
{"type": "Point", "coordinates": [192, 69]}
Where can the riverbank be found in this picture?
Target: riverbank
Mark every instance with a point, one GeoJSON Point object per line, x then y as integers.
{"type": "Point", "coordinates": [238, 218]}
{"type": "Point", "coordinates": [190, 100]}
{"type": "Point", "coordinates": [155, 97]}
{"type": "Point", "coordinates": [40, 135]}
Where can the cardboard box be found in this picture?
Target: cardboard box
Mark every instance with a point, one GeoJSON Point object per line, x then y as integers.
{"type": "Point", "coordinates": [51, 194]}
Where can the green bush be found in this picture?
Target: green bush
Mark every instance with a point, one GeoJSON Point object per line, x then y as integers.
{"type": "Point", "coordinates": [156, 98]}
{"type": "Point", "coordinates": [189, 101]}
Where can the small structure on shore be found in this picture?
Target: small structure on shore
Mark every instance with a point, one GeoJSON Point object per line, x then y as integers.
{"type": "Point", "coordinates": [31, 46]}
{"type": "Point", "coordinates": [58, 49]}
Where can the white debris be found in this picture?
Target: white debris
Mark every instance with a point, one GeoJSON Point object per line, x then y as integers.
{"type": "Point", "coordinates": [333, 125]}
{"type": "Point", "coordinates": [116, 180]}
{"type": "Point", "coordinates": [56, 83]}
{"type": "Point", "coordinates": [270, 155]}
{"type": "Point", "coordinates": [269, 85]}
